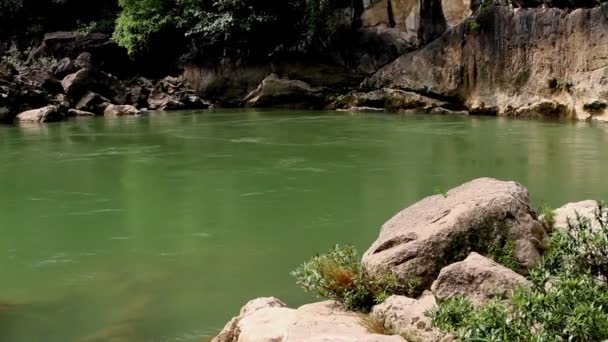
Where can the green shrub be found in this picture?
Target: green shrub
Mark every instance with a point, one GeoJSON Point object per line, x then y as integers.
{"type": "Point", "coordinates": [548, 217]}
{"type": "Point", "coordinates": [566, 302]}
{"type": "Point", "coordinates": [504, 254]}
{"type": "Point", "coordinates": [338, 275]}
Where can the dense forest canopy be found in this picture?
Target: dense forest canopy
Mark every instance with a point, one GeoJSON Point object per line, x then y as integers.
{"type": "Point", "coordinates": [196, 28]}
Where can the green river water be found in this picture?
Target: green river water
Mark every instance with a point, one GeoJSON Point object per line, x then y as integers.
{"type": "Point", "coordinates": [160, 228]}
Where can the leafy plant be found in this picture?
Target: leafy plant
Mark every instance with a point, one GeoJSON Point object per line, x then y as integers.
{"type": "Point", "coordinates": [338, 275]}
{"type": "Point", "coordinates": [548, 217]}
{"type": "Point", "coordinates": [567, 301]}
{"type": "Point", "coordinates": [504, 255]}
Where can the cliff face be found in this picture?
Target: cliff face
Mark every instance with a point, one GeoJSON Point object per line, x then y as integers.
{"type": "Point", "coordinates": [520, 62]}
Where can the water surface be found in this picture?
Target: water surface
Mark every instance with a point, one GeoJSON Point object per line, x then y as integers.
{"type": "Point", "coordinates": [159, 228]}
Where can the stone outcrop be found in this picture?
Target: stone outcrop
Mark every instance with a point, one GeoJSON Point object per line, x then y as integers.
{"type": "Point", "coordinates": [390, 99]}
{"type": "Point", "coordinates": [280, 92]}
{"type": "Point", "coordinates": [587, 210]}
{"type": "Point", "coordinates": [120, 110]}
{"type": "Point", "coordinates": [407, 316]}
{"type": "Point", "coordinates": [478, 279]}
{"type": "Point", "coordinates": [520, 62]}
{"type": "Point", "coordinates": [269, 320]}
{"type": "Point", "coordinates": [442, 229]}
{"type": "Point", "coordinates": [44, 114]}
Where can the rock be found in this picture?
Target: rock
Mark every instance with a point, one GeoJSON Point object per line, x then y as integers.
{"type": "Point", "coordinates": [76, 112]}
{"type": "Point", "coordinates": [543, 108]}
{"type": "Point", "coordinates": [61, 101]}
{"type": "Point", "coordinates": [64, 67]}
{"type": "Point", "coordinates": [421, 20]}
{"type": "Point", "coordinates": [93, 102]}
{"type": "Point", "coordinates": [85, 61]}
{"type": "Point", "coordinates": [478, 279]}
{"type": "Point", "coordinates": [44, 80]}
{"type": "Point", "coordinates": [269, 320]}
{"type": "Point", "coordinates": [518, 61]}
{"type": "Point", "coordinates": [120, 110]}
{"type": "Point", "coordinates": [407, 315]}
{"type": "Point", "coordinates": [44, 114]}
{"type": "Point", "coordinates": [279, 92]}
{"type": "Point", "coordinates": [442, 229]}
{"type": "Point", "coordinates": [585, 209]}
{"type": "Point", "coordinates": [77, 84]}
{"type": "Point", "coordinates": [232, 330]}
{"type": "Point", "coordinates": [391, 99]}
{"type": "Point", "coordinates": [171, 93]}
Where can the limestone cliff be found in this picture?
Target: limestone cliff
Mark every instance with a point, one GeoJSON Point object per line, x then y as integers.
{"type": "Point", "coordinates": [519, 62]}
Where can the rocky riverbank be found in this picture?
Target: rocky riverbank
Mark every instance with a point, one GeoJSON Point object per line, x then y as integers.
{"type": "Point", "coordinates": [447, 243]}
{"type": "Point", "coordinates": [69, 75]}
{"type": "Point", "coordinates": [429, 56]}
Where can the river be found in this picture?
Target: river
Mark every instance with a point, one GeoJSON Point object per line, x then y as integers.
{"type": "Point", "coordinates": [159, 228]}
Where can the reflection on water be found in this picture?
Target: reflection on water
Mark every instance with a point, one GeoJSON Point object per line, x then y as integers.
{"type": "Point", "coordinates": [159, 228]}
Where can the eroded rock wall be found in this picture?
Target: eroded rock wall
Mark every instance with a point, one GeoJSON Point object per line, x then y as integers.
{"type": "Point", "coordinates": [519, 62]}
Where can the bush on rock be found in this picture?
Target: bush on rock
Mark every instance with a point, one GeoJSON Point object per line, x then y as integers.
{"type": "Point", "coordinates": [338, 275]}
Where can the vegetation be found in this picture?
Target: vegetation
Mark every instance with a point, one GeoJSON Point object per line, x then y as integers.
{"type": "Point", "coordinates": [379, 325]}
{"type": "Point", "coordinates": [338, 275]}
{"type": "Point", "coordinates": [568, 300]}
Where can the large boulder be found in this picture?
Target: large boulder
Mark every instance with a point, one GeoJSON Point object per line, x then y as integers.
{"type": "Point", "coordinates": [269, 320]}
{"type": "Point", "coordinates": [77, 84]}
{"type": "Point", "coordinates": [439, 230]}
{"type": "Point", "coordinates": [64, 67]}
{"type": "Point", "coordinates": [44, 80]}
{"type": "Point", "coordinates": [93, 102]}
{"type": "Point", "coordinates": [478, 279]}
{"type": "Point", "coordinates": [586, 210]}
{"type": "Point", "coordinates": [105, 52]}
{"type": "Point", "coordinates": [281, 92]}
{"type": "Point", "coordinates": [44, 114]}
{"type": "Point", "coordinates": [120, 110]}
{"type": "Point", "coordinates": [408, 315]}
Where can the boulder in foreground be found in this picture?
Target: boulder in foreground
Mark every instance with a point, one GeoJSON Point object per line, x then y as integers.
{"type": "Point", "coordinates": [442, 229]}
{"type": "Point", "coordinates": [269, 320]}
{"type": "Point", "coordinates": [478, 279]}
{"type": "Point", "coordinates": [407, 316]}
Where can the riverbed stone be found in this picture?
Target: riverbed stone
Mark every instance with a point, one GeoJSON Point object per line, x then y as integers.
{"type": "Point", "coordinates": [120, 110]}
{"type": "Point", "coordinates": [408, 316]}
{"type": "Point", "coordinates": [439, 230]}
{"type": "Point", "coordinates": [44, 114]}
{"type": "Point", "coordinates": [478, 279]}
